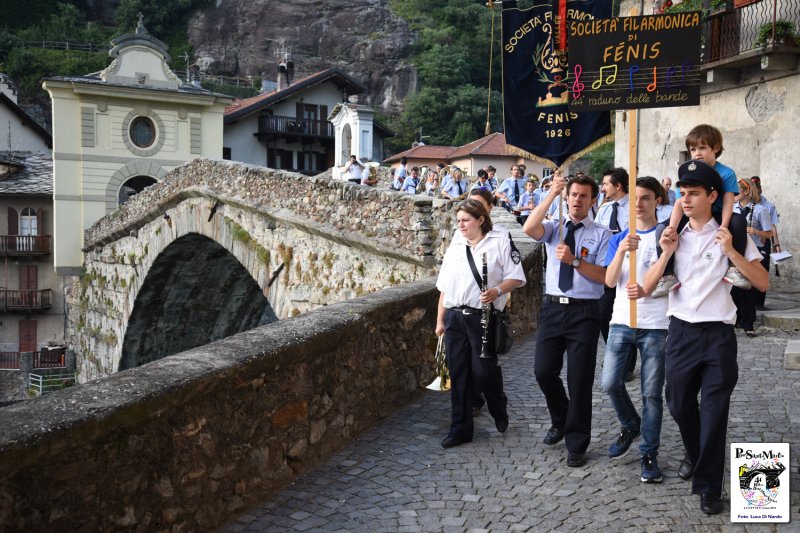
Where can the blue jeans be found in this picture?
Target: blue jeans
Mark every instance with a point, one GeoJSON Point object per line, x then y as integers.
{"type": "Point", "coordinates": [651, 344]}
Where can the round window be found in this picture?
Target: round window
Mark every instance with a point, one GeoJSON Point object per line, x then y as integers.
{"type": "Point", "coordinates": [143, 132]}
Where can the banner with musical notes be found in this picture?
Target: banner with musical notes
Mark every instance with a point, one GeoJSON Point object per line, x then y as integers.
{"type": "Point", "coordinates": [536, 85]}
{"type": "Point", "coordinates": [635, 62]}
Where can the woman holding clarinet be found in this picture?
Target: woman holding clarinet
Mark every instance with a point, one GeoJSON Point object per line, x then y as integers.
{"type": "Point", "coordinates": [461, 309]}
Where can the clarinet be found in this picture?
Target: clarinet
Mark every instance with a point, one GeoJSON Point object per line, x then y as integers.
{"type": "Point", "coordinates": [487, 311]}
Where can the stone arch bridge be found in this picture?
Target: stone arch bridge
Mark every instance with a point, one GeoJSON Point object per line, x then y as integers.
{"type": "Point", "coordinates": [217, 248]}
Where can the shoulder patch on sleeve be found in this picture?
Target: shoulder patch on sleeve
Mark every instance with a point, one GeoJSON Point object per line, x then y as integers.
{"type": "Point", "coordinates": [515, 255]}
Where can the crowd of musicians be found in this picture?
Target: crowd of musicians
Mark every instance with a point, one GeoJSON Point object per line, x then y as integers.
{"type": "Point", "coordinates": [695, 283]}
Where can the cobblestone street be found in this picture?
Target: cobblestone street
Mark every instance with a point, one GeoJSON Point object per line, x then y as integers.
{"type": "Point", "coordinates": [396, 477]}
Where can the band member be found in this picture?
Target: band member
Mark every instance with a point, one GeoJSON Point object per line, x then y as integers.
{"type": "Point", "coordinates": [569, 319]}
{"type": "Point", "coordinates": [412, 182]}
{"type": "Point", "coordinates": [701, 343]}
{"type": "Point", "coordinates": [649, 335]}
{"type": "Point", "coordinates": [456, 187]}
{"type": "Point", "coordinates": [512, 188]}
{"type": "Point", "coordinates": [459, 317]}
{"type": "Point", "coordinates": [353, 169]}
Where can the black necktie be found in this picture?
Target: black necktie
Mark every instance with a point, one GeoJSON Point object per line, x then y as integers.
{"type": "Point", "coordinates": [565, 274]}
{"type": "Point", "coordinates": [460, 192]}
{"type": "Point", "coordinates": [516, 191]}
{"type": "Point", "coordinates": [614, 224]}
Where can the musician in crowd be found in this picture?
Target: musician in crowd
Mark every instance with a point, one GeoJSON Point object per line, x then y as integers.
{"type": "Point", "coordinates": [569, 319]}
{"type": "Point", "coordinates": [772, 244]}
{"type": "Point", "coordinates": [459, 317]}
{"type": "Point", "coordinates": [759, 228]}
{"type": "Point", "coordinates": [353, 169]}
{"type": "Point", "coordinates": [411, 182]}
{"type": "Point", "coordinates": [400, 174]}
{"type": "Point", "coordinates": [369, 176]}
{"type": "Point", "coordinates": [511, 189]}
{"type": "Point", "coordinates": [432, 183]}
{"type": "Point", "coordinates": [456, 187]}
{"type": "Point", "coordinates": [492, 172]}
{"type": "Point", "coordinates": [483, 182]}
{"type": "Point", "coordinates": [526, 202]}
{"type": "Point", "coordinates": [614, 215]}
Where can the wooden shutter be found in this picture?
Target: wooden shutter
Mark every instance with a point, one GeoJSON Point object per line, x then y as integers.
{"type": "Point", "coordinates": [299, 110]}
{"type": "Point", "coordinates": [40, 221]}
{"type": "Point", "coordinates": [13, 221]}
{"type": "Point", "coordinates": [27, 336]}
{"type": "Point", "coordinates": [28, 278]}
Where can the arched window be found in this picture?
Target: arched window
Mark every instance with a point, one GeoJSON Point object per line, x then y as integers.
{"type": "Point", "coordinates": [134, 186]}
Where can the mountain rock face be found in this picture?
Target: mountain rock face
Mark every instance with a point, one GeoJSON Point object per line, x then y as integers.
{"type": "Point", "coordinates": [365, 39]}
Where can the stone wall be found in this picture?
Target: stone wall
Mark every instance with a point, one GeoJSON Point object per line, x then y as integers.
{"type": "Point", "coordinates": [185, 441]}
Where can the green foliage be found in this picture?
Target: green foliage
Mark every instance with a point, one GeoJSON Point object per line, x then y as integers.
{"type": "Point", "coordinates": [602, 158]}
{"type": "Point", "coordinates": [784, 31]}
{"type": "Point", "coordinates": [452, 59]}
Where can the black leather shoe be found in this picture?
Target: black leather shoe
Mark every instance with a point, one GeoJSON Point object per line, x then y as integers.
{"type": "Point", "coordinates": [449, 442]}
{"type": "Point", "coordinates": [501, 424]}
{"type": "Point", "coordinates": [710, 504]}
{"type": "Point", "coordinates": [553, 436]}
{"type": "Point", "coordinates": [576, 459]}
{"type": "Point", "coordinates": [686, 469]}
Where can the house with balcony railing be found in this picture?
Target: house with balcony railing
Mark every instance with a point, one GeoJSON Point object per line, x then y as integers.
{"type": "Point", "coordinates": [31, 293]}
{"type": "Point", "coordinates": [288, 127]}
{"type": "Point", "coordinates": [750, 90]}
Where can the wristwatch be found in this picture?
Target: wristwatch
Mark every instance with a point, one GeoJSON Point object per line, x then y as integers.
{"type": "Point", "coordinates": [576, 262]}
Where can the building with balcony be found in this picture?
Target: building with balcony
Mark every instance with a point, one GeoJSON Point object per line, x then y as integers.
{"type": "Point", "coordinates": [290, 127]}
{"type": "Point", "coordinates": [31, 293]}
{"type": "Point", "coordinates": [750, 90]}
{"type": "Point", "coordinates": [119, 130]}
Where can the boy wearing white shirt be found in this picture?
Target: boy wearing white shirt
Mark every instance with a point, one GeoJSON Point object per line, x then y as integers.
{"type": "Point", "coordinates": [701, 343]}
{"type": "Point", "coordinates": [649, 336]}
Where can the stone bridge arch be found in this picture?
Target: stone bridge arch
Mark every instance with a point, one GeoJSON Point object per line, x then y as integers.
{"type": "Point", "coordinates": [338, 241]}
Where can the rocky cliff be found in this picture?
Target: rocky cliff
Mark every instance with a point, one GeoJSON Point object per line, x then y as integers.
{"type": "Point", "coordinates": [364, 38]}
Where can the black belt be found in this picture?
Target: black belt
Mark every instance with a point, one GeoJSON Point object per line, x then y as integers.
{"type": "Point", "coordinates": [465, 310]}
{"type": "Point", "coordinates": [566, 300]}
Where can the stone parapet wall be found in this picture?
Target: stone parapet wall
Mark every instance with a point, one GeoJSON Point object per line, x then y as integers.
{"type": "Point", "coordinates": [402, 223]}
{"type": "Point", "coordinates": [183, 442]}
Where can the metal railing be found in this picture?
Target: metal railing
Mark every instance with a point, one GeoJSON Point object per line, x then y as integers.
{"type": "Point", "coordinates": [736, 30]}
{"type": "Point", "coordinates": [295, 126]}
{"type": "Point", "coordinates": [25, 244]}
{"type": "Point", "coordinates": [25, 300]}
{"type": "Point", "coordinates": [46, 358]}
{"type": "Point", "coordinates": [44, 383]}
{"type": "Point", "coordinates": [65, 45]}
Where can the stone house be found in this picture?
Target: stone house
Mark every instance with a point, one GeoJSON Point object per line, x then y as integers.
{"type": "Point", "coordinates": [471, 157]}
{"type": "Point", "coordinates": [22, 133]}
{"type": "Point", "coordinates": [31, 293]}
{"type": "Point", "coordinates": [292, 126]}
{"type": "Point", "coordinates": [119, 130]}
{"type": "Point", "coordinates": [751, 92]}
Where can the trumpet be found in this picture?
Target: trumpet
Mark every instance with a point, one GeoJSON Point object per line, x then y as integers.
{"type": "Point", "coordinates": [442, 381]}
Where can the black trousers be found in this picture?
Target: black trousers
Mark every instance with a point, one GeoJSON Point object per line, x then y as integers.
{"type": "Point", "coordinates": [463, 335]}
{"type": "Point", "coordinates": [606, 312]}
{"type": "Point", "coordinates": [701, 358]}
{"type": "Point", "coordinates": [574, 328]}
{"type": "Point", "coordinates": [765, 251]}
{"type": "Point", "coordinates": [745, 301]}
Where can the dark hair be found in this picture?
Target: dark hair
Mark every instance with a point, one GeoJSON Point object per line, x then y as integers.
{"type": "Point", "coordinates": [475, 209]}
{"type": "Point", "coordinates": [619, 176]}
{"type": "Point", "coordinates": [483, 174]}
{"type": "Point", "coordinates": [490, 168]}
{"type": "Point", "coordinates": [652, 184]}
{"type": "Point", "coordinates": [757, 182]}
{"type": "Point", "coordinates": [705, 134]}
{"type": "Point", "coordinates": [403, 160]}
{"type": "Point", "coordinates": [584, 180]}
{"type": "Point", "coordinates": [414, 169]}
{"type": "Point", "coordinates": [483, 193]}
